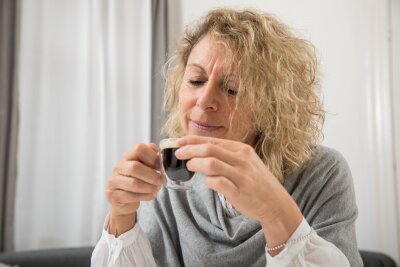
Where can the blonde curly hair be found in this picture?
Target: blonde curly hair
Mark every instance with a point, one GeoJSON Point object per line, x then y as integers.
{"type": "Point", "coordinates": [278, 81]}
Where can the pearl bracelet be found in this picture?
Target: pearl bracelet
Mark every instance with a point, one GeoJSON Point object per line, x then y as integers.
{"type": "Point", "coordinates": [284, 244]}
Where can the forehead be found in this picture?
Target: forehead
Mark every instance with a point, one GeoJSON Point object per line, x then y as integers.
{"type": "Point", "coordinates": [210, 54]}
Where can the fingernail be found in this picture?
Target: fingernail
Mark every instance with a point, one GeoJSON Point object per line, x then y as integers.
{"type": "Point", "coordinates": [178, 153]}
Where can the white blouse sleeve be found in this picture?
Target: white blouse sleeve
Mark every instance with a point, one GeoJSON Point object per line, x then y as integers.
{"type": "Point", "coordinates": [133, 249]}
{"type": "Point", "coordinates": [312, 251]}
{"type": "Point", "coordinates": [129, 249]}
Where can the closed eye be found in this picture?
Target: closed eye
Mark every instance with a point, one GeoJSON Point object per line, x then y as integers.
{"type": "Point", "coordinates": [231, 91]}
{"type": "Point", "coordinates": [196, 82]}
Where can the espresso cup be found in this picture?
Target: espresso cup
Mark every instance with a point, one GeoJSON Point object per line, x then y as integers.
{"type": "Point", "coordinates": [177, 175]}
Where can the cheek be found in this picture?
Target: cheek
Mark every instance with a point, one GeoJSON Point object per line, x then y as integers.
{"type": "Point", "coordinates": [186, 100]}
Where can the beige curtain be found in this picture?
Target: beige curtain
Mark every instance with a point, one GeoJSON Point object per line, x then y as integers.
{"type": "Point", "coordinates": [8, 120]}
{"type": "Point", "coordinates": [158, 58]}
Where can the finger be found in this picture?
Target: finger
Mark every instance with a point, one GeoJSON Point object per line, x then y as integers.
{"type": "Point", "coordinates": [215, 167]}
{"type": "Point", "coordinates": [196, 139]}
{"type": "Point", "coordinates": [138, 170]}
{"type": "Point", "coordinates": [155, 149]}
{"type": "Point", "coordinates": [133, 185]}
{"type": "Point", "coordinates": [147, 154]}
{"type": "Point", "coordinates": [222, 185]}
{"type": "Point", "coordinates": [117, 197]}
{"type": "Point", "coordinates": [208, 150]}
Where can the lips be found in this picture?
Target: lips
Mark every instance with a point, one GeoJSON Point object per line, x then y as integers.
{"type": "Point", "coordinates": [202, 126]}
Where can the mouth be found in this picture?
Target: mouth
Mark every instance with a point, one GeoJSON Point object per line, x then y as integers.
{"type": "Point", "coordinates": [205, 127]}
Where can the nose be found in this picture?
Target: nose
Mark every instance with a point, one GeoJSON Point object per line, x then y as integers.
{"type": "Point", "coordinates": [207, 99]}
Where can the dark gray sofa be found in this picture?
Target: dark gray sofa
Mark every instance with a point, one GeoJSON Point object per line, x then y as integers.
{"type": "Point", "coordinates": [80, 257]}
{"type": "Point", "coordinates": [74, 257]}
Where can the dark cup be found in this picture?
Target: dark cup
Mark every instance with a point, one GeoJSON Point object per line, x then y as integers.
{"type": "Point", "coordinates": [174, 169]}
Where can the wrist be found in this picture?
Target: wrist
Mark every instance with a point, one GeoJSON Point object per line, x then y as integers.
{"type": "Point", "coordinates": [278, 230]}
{"type": "Point", "coordinates": [119, 224]}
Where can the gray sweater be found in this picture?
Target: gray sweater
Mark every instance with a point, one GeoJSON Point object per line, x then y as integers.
{"type": "Point", "coordinates": [190, 229]}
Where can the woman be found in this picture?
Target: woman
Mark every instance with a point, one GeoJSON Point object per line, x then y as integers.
{"type": "Point", "coordinates": [243, 97]}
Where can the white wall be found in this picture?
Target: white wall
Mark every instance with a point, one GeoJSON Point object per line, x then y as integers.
{"type": "Point", "coordinates": [352, 39]}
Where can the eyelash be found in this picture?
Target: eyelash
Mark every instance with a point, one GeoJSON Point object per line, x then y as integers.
{"type": "Point", "coordinates": [196, 82]}
{"type": "Point", "coordinates": [229, 91]}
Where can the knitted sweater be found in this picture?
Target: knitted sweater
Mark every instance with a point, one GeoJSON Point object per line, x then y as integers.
{"type": "Point", "coordinates": [189, 228]}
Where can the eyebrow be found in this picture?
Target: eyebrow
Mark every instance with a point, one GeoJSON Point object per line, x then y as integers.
{"type": "Point", "coordinates": [226, 76]}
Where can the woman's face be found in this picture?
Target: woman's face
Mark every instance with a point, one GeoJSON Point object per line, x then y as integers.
{"type": "Point", "coordinates": [207, 96]}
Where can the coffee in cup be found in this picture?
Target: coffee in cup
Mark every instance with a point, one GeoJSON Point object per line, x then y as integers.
{"type": "Point", "coordinates": [174, 169]}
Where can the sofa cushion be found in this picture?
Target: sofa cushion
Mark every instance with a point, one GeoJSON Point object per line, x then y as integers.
{"type": "Point", "coordinates": [71, 257]}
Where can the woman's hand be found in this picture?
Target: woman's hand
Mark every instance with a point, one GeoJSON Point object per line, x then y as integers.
{"type": "Point", "coordinates": [236, 171]}
{"type": "Point", "coordinates": [135, 178]}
